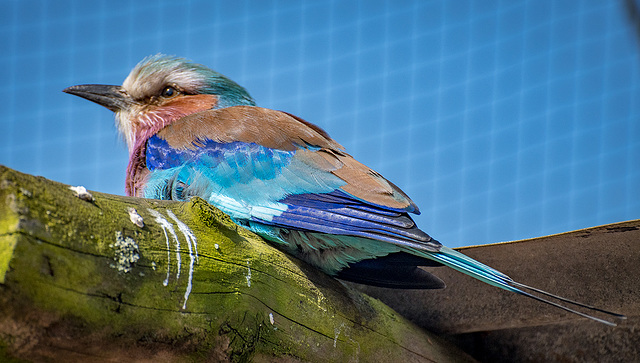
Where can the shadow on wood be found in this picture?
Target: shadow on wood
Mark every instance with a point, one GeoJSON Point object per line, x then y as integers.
{"type": "Point", "coordinates": [599, 266]}
{"type": "Point", "coordinates": [109, 278]}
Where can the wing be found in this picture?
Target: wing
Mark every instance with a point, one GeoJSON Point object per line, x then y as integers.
{"type": "Point", "coordinates": [283, 132]}
{"type": "Point", "coordinates": [274, 173]}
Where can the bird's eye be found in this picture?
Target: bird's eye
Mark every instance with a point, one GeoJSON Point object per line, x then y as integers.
{"type": "Point", "coordinates": [169, 92]}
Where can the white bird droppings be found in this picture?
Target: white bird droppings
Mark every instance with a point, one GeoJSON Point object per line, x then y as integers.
{"type": "Point", "coordinates": [166, 226]}
{"type": "Point", "coordinates": [188, 234]}
{"type": "Point", "coordinates": [82, 193]}
{"type": "Point", "coordinates": [135, 217]}
{"type": "Point", "coordinates": [248, 276]}
{"type": "Point", "coordinates": [337, 332]}
{"type": "Point", "coordinates": [192, 243]}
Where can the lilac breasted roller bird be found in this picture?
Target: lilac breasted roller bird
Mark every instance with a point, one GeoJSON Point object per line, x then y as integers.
{"type": "Point", "coordinates": [193, 132]}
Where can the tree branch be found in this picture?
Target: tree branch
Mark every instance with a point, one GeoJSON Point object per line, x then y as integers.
{"type": "Point", "coordinates": [80, 279]}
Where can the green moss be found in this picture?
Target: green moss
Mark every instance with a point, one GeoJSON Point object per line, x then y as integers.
{"type": "Point", "coordinates": [6, 356]}
{"type": "Point", "coordinates": [7, 244]}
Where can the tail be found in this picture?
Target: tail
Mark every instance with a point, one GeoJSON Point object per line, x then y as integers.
{"type": "Point", "coordinates": [473, 268]}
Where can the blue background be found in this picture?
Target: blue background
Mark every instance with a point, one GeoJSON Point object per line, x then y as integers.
{"type": "Point", "coordinates": [503, 120]}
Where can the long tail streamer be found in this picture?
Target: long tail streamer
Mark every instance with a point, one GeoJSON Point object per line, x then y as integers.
{"type": "Point", "coordinates": [473, 268]}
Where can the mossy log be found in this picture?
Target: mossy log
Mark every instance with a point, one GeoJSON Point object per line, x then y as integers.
{"type": "Point", "coordinates": [92, 276]}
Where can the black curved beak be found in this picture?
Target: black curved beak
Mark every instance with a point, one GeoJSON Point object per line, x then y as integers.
{"type": "Point", "coordinates": [111, 97]}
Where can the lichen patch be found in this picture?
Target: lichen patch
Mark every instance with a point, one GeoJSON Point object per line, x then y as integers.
{"type": "Point", "coordinates": [127, 253]}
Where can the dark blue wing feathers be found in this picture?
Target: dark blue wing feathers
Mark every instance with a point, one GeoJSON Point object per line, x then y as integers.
{"type": "Point", "coordinates": [338, 213]}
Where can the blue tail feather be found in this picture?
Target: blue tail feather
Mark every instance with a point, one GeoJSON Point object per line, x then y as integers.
{"type": "Point", "coordinates": [473, 268]}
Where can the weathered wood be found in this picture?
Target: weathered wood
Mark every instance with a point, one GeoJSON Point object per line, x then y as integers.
{"type": "Point", "coordinates": [80, 281]}
{"type": "Point", "coordinates": [599, 266]}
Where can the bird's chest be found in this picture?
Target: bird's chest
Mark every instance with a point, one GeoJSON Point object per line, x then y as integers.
{"type": "Point", "coordinates": [137, 173]}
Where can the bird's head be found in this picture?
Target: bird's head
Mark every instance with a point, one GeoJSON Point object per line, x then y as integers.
{"type": "Point", "coordinates": [160, 90]}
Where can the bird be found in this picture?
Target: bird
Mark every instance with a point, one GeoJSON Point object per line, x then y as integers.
{"type": "Point", "coordinates": [191, 131]}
